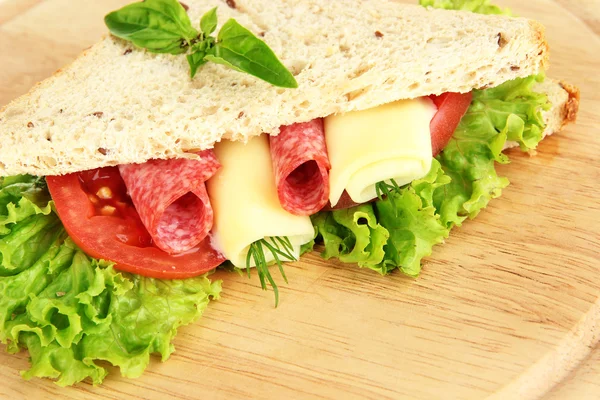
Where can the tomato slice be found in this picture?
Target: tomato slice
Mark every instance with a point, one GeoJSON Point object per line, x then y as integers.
{"type": "Point", "coordinates": [451, 108]}
{"type": "Point", "coordinates": [100, 218]}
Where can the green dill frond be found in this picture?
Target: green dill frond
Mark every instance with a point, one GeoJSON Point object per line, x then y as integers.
{"type": "Point", "coordinates": [281, 249]}
{"type": "Point", "coordinates": [384, 188]}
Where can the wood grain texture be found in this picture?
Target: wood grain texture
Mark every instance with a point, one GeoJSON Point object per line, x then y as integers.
{"type": "Point", "coordinates": [588, 11]}
{"type": "Point", "coordinates": [506, 308]}
{"type": "Point", "coordinates": [38, 40]}
{"type": "Point", "coordinates": [12, 8]}
{"type": "Point", "coordinates": [582, 384]}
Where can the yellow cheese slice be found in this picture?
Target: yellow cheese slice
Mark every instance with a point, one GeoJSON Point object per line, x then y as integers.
{"type": "Point", "coordinates": [392, 141]}
{"type": "Point", "coordinates": [246, 208]}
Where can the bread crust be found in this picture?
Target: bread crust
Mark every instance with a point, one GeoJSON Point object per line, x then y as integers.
{"type": "Point", "coordinates": [571, 107]}
{"type": "Point", "coordinates": [56, 74]}
{"type": "Point", "coordinates": [111, 106]}
{"type": "Point", "coordinates": [539, 32]}
{"type": "Point", "coordinates": [565, 105]}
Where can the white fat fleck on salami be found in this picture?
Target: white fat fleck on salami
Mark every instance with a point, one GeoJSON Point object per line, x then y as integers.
{"type": "Point", "coordinates": [170, 197]}
{"type": "Point", "coordinates": [301, 166]}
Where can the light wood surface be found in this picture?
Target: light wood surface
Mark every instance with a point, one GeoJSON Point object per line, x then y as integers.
{"type": "Point", "coordinates": [588, 11]}
{"type": "Point", "coordinates": [507, 308]}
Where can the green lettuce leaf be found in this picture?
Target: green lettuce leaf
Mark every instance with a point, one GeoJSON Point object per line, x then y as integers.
{"type": "Point", "coordinates": [511, 111]}
{"type": "Point", "coordinates": [352, 235]}
{"type": "Point", "coordinates": [395, 232]}
{"type": "Point", "coordinates": [414, 229]}
{"type": "Point", "coordinates": [59, 363]}
{"type": "Point", "coordinates": [476, 6]}
{"type": "Point", "coordinates": [411, 219]}
{"type": "Point", "coordinates": [71, 311]}
{"type": "Point", "coordinates": [145, 319]}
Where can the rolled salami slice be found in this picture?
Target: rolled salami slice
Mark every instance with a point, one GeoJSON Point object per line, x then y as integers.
{"type": "Point", "coordinates": [301, 166]}
{"type": "Point", "coordinates": [170, 197]}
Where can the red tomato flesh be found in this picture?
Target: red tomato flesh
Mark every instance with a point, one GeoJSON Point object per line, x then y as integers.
{"type": "Point", "coordinates": [100, 218]}
{"type": "Point", "coordinates": [107, 193]}
{"type": "Point", "coordinates": [451, 108]}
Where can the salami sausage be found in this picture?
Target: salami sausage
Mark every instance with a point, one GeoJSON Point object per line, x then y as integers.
{"type": "Point", "coordinates": [301, 167]}
{"type": "Point", "coordinates": [170, 197]}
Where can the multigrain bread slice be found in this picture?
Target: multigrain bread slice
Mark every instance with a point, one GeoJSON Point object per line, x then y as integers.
{"type": "Point", "coordinates": [117, 105]}
{"type": "Point", "coordinates": [565, 105]}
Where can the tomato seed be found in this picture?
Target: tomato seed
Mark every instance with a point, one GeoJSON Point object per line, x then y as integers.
{"type": "Point", "coordinates": [93, 199]}
{"type": "Point", "coordinates": [104, 193]}
{"type": "Point", "coordinates": [108, 210]}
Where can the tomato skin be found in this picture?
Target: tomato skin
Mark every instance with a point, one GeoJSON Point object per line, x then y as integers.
{"type": "Point", "coordinates": [109, 237]}
{"type": "Point", "coordinates": [451, 108]}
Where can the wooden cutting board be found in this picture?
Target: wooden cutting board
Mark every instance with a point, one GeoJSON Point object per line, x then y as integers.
{"type": "Point", "coordinates": [507, 308]}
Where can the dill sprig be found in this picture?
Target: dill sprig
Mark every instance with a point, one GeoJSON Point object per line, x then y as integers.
{"type": "Point", "coordinates": [282, 250]}
{"type": "Point", "coordinates": [384, 188]}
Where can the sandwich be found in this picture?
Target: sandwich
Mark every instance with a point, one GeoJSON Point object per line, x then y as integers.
{"type": "Point", "coordinates": [166, 151]}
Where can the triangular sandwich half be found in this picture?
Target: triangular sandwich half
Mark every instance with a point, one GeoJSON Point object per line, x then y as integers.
{"type": "Point", "coordinates": [134, 170]}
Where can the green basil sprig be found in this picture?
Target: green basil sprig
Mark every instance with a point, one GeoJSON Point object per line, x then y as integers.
{"type": "Point", "coordinates": [163, 26]}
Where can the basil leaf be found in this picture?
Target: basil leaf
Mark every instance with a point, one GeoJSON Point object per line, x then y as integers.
{"type": "Point", "coordinates": [160, 26]}
{"type": "Point", "coordinates": [239, 49]}
{"type": "Point", "coordinates": [196, 60]}
{"type": "Point", "coordinates": [208, 22]}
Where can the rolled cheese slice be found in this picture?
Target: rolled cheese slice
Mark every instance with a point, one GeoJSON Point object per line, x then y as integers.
{"type": "Point", "coordinates": [392, 141]}
{"type": "Point", "coordinates": [246, 205]}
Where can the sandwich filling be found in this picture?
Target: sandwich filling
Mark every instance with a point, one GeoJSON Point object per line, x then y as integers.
{"type": "Point", "coordinates": [216, 207]}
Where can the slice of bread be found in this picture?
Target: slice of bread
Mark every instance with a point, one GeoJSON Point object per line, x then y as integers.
{"type": "Point", "coordinates": [565, 105]}
{"type": "Point", "coordinates": [117, 105]}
